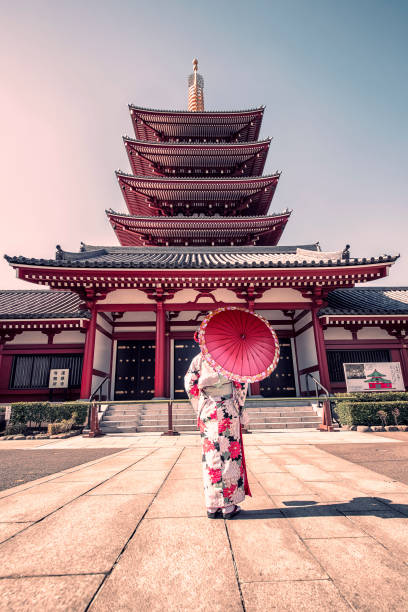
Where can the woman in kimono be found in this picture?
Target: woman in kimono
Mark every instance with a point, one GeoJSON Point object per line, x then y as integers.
{"type": "Point", "coordinates": [219, 405]}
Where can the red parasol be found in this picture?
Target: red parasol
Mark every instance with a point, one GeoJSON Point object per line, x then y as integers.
{"type": "Point", "coordinates": [239, 344]}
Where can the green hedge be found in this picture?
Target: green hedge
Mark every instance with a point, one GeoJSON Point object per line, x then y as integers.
{"type": "Point", "coordinates": [365, 412]}
{"type": "Point", "coordinates": [368, 396]}
{"type": "Point", "coordinates": [44, 412]}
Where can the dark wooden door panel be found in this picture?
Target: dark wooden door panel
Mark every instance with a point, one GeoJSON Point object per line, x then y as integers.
{"type": "Point", "coordinates": [281, 383]}
{"type": "Point", "coordinates": [135, 370]}
{"type": "Point", "coordinates": [184, 351]}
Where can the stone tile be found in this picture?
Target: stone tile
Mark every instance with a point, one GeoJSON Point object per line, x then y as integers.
{"type": "Point", "coordinates": [333, 464]}
{"type": "Point", "coordinates": [84, 536]}
{"type": "Point", "coordinates": [38, 501]}
{"type": "Point", "coordinates": [388, 528]}
{"type": "Point", "coordinates": [187, 470]}
{"type": "Point", "coordinates": [281, 484]}
{"type": "Point", "coordinates": [173, 564]}
{"type": "Point", "coordinates": [131, 483]}
{"type": "Point", "coordinates": [268, 549]}
{"type": "Point", "coordinates": [287, 596]}
{"type": "Point", "coordinates": [309, 472]}
{"type": "Point", "coordinates": [265, 465]}
{"type": "Point", "coordinates": [295, 501]}
{"type": "Point", "coordinates": [149, 464]}
{"type": "Point", "coordinates": [398, 502]}
{"type": "Point", "coordinates": [321, 521]}
{"type": "Point", "coordinates": [335, 491]}
{"type": "Point", "coordinates": [48, 593]}
{"type": "Point", "coordinates": [287, 459]}
{"type": "Point", "coordinates": [365, 572]}
{"type": "Point", "coordinates": [379, 485]}
{"type": "Point", "coordinates": [9, 529]}
{"type": "Point", "coordinates": [179, 498]}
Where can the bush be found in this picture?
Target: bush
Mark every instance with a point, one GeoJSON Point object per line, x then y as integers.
{"type": "Point", "coordinates": [62, 426]}
{"type": "Point", "coordinates": [44, 412]}
{"type": "Point", "coordinates": [368, 396]}
{"type": "Point", "coordinates": [13, 429]}
{"type": "Point", "coordinates": [366, 413]}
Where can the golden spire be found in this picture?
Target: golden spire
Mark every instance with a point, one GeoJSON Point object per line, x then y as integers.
{"type": "Point", "coordinates": [195, 90]}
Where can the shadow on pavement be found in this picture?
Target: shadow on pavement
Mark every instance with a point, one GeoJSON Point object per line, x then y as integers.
{"type": "Point", "coordinates": [376, 506]}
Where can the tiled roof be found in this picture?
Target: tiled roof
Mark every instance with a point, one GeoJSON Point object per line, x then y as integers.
{"type": "Point", "coordinates": [194, 257]}
{"type": "Point", "coordinates": [367, 300]}
{"type": "Point", "coordinates": [28, 304]}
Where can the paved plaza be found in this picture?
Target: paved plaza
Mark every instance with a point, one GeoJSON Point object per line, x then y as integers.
{"type": "Point", "coordinates": [128, 531]}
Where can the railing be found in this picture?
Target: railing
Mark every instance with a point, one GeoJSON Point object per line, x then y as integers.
{"type": "Point", "coordinates": [328, 413]}
{"type": "Point", "coordinates": [99, 388]}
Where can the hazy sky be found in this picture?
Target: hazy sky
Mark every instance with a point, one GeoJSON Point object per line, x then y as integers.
{"type": "Point", "coordinates": [332, 74]}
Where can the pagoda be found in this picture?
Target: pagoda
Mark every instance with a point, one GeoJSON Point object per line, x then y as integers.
{"type": "Point", "coordinates": [195, 181]}
{"type": "Point", "coordinates": [198, 232]}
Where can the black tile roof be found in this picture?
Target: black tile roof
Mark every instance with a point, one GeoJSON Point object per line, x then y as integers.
{"type": "Point", "coordinates": [40, 304]}
{"type": "Point", "coordinates": [192, 257]}
{"type": "Point", "coordinates": [366, 301]}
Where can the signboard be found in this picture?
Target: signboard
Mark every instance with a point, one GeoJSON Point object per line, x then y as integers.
{"type": "Point", "coordinates": [59, 379]}
{"type": "Point", "coordinates": [373, 377]}
{"type": "Point", "coordinates": [7, 413]}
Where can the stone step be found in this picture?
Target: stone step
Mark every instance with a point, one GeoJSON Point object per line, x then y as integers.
{"type": "Point", "coordinates": [289, 415]}
{"type": "Point", "coordinates": [297, 425]}
{"type": "Point", "coordinates": [120, 417]}
{"type": "Point", "coordinates": [155, 428]}
{"type": "Point", "coordinates": [279, 409]}
{"type": "Point", "coordinates": [118, 429]}
{"type": "Point", "coordinates": [117, 423]}
{"type": "Point", "coordinates": [260, 418]}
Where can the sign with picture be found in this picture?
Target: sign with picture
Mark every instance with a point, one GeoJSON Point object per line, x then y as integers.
{"type": "Point", "coordinates": [59, 379]}
{"type": "Point", "coordinates": [373, 377]}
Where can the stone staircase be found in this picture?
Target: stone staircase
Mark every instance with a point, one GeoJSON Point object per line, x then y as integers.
{"type": "Point", "coordinates": [152, 416]}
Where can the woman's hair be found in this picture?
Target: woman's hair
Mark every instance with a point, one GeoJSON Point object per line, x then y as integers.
{"type": "Point", "coordinates": [196, 335]}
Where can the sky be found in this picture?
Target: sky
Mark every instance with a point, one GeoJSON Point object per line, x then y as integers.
{"type": "Point", "coordinates": [332, 75]}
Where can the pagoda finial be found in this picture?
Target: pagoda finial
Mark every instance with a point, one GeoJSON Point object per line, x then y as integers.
{"type": "Point", "coordinates": [195, 89]}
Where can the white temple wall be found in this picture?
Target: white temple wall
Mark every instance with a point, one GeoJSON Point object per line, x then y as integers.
{"type": "Point", "coordinates": [69, 337]}
{"type": "Point", "coordinates": [373, 333]}
{"type": "Point", "coordinates": [282, 295]}
{"type": "Point", "coordinates": [126, 296]}
{"type": "Point", "coordinates": [337, 333]}
{"type": "Point", "coordinates": [102, 356]}
{"type": "Point", "coordinates": [35, 337]}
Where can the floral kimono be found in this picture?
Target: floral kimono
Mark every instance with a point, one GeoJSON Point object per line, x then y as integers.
{"type": "Point", "coordinates": [219, 405]}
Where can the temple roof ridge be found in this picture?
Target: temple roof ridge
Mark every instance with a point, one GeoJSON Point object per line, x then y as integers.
{"type": "Point", "coordinates": [218, 179]}
{"type": "Point", "coordinates": [166, 143]}
{"type": "Point", "coordinates": [197, 113]}
{"type": "Point", "coordinates": [110, 211]}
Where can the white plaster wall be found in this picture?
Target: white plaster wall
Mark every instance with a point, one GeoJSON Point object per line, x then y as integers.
{"type": "Point", "coordinates": [135, 330]}
{"type": "Point", "coordinates": [306, 349]}
{"type": "Point", "coordinates": [102, 354]}
{"type": "Point", "coordinates": [184, 295]}
{"type": "Point", "coordinates": [283, 295]}
{"type": "Point", "coordinates": [303, 386]}
{"type": "Point", "coordinates": [185, 328]}
{"type": "Point", "coordinates": [274, 314]}
{"type": "Point", "coordinates": [133, 316]}
{"type": "Point", "coordinates": [96, 380]}
{"type": "Point", "coordinates": [373, 333]}
{"type": "Point", "coordinates": [126, 296]}
{"type": "Point", "coordinates": [226, 295]}
{"type": "Point", "coordinates": [337, 333]}
{"type": "Point", "coordinates": [105, 324]}
{"type": "Point", "coordinates": [303, 321]}
{"type": "Point", "coordinates": [70, 337]}
{"type": "Point", "coordinates": [35, 337]}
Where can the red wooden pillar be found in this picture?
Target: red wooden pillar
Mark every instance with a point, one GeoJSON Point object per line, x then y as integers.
{"type": "Point", "coordinates": [86, 382]}
{"type": "Point", "coordinates": [404, 362]}
{"type": "Point", "coordinates": [320, 349]}
{"type": "Point", "coordinates": [159, 368]}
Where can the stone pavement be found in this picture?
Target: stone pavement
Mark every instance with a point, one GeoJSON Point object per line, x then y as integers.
{"type": "Point", "coordinates": [129, 531]}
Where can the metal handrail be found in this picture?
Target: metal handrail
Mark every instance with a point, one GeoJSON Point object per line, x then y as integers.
{"type": "Point", "coordinates": [317, 383]}
{"type": "Point", "coordinates": [99, 387]}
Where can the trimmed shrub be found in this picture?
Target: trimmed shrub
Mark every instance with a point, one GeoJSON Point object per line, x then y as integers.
{"type": "Point", "coordinates": [13, 429]}
{"type": "Point", "coordinates": [368, 396]}
{"type": "Point", "coordinates": [43, 412]}
{"type": "Point", "coordinates": [62, 426]}
{"type": "Point", "coordinates": [366, 413]}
